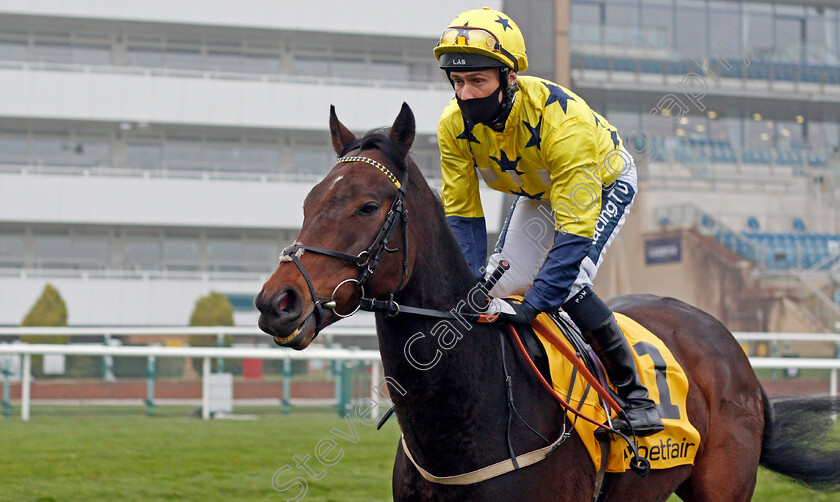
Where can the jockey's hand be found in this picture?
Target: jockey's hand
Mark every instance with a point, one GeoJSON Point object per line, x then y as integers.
{"type": "Point", "coordinates": [512, 310]}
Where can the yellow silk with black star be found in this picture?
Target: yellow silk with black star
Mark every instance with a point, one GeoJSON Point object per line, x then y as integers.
{"type": "Point", "coordinates": [553, 148]}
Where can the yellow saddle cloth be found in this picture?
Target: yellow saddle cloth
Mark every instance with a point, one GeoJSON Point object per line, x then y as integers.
{"type": "Point", "coordinates": [667, 386]}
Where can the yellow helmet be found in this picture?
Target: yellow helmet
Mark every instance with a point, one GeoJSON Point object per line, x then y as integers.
{"type": "Point", "coordinates": [482, 38]}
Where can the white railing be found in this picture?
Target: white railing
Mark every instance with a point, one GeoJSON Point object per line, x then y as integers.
{"type": "Point", "coordinates": [321, 353]}
{"type": "Point", "coordinates": [206, 353]}
{"type": "Point", "coordinates": [168, 330]}
{"type": "Point", "coordinates": [106, 332]}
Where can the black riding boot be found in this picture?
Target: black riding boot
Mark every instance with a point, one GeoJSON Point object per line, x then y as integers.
{"type": "Point", "coordinates": [612, 348]}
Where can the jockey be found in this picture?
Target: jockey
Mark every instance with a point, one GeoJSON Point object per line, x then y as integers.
{"type": "Point", "coordinates": [574, 180]}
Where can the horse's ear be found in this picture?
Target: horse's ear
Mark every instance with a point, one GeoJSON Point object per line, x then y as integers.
{"type": "Point", "coordinates": [402, 132]}
{"type": "Point", "coordinates": [341, 136]}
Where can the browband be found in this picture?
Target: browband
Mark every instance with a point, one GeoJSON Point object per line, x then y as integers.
{"type": "Point", "coordinates": [375, 164]}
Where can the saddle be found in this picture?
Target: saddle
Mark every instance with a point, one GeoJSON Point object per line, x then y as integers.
{"type": "Point", "coordinates": [658, 369]}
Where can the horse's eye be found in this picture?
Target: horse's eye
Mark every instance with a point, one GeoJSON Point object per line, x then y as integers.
{"type": "Point", "coordinates": [368, 209]}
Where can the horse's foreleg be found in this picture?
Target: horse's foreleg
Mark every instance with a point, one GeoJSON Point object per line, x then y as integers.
{"type": "Point", "coordinates": [406, 481]}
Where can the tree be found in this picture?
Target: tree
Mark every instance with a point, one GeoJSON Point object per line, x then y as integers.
{"type": "Point", "coordinates": [48, 310]}
{"type": "Point", "coordinates": [211, 310]}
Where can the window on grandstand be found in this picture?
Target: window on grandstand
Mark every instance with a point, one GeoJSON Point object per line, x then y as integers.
{"type": "Point", "coordinates": [61, 250]}
{"type": "Point", "coordinates": [143, 253]}
{"type": "Point", "coordinates": [349, 68]}
{"type": "Point", "coordinates": [51, 251]}
{"type": "Point", "coordinates": [143, 155]}
{"type": "Point", "coordinates": [313, 160]}
{"type": "Point", "coordinates": [66, 51]}
{"type": "Point", "coordinates": [91, 252]}
{"type": "Point", "coordinates": [256, 158]}
{"type": "Point", "coordinates": [14, 149]}
{"type": "Point", "coordinates": [13, 50]}
{"type": "Point", "coordinates": [260, 63]}
{"type": "Point", "coordinates": [44, 150]}
{"type": "Point", "coordinates": [622, 20]}
{"type": "Point", "coordinates": [820, 32]}
{"type": "Point", "coordinates": [219, 157]}
{"type": "Point", "coordinates": [425, 72]}
{"type": "Point", "coordinates": [312, 66]}
{"type": "Point", "coordinates": [790, 35]}
{"type": "Point", "coordinates": [389, 70]}
{"type": "Point", "coordinates": [183, 155]}
{"type": "Point", "coordinates": [11, 250]}
{"type": "Point", "coordinates": [91, 55]}
{"type": "Point", "coordinates": [758, 37]}
{"type": "Point", "coordinates": [144, 57]}
{"type": "Point", "coordinates": [236, 255]}
{"type": "Point", "coordinates": [180, 254]}
{"type": "Point", "coordinates": [224, 61]}
{"type": "Point", "coordinates": [724, 29]}
{"type": "Point", "coordinates": [587, 23]}
{"type": "Point", "coordinates": [690, 29]}
{"type": "Point", "coordinates": [183, 59]}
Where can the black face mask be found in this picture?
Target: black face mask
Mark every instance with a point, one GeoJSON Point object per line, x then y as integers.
{"type": "Point", "coordinates": [479, 110]}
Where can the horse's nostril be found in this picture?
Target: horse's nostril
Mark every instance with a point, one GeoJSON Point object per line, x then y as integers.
{"type": "Point", "coordinates": [283, 301]}
{"type": "Point", "coordinates": [287, 303]}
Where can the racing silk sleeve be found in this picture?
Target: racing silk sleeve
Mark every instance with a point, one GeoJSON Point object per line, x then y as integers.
{"type": "Point", "coordinates": [471, 234]}
{"type": "Point", "coordinates": [571, 151]}
{"type": "Point", "coordinates": [459, 190]}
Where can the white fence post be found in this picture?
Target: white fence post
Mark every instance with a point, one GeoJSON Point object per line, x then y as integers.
{"type": "Point", "coordinates": [26, 380]}
{"type": "Point", "coordinates": [108, 361]}
{"type": "Point", "coordinates": [374, 379]}
{"type": "Point", "coordinates": [205, 389]}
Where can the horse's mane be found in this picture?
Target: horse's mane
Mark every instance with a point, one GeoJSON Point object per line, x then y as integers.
{"type": "Point", "coordinates": [379, 139]}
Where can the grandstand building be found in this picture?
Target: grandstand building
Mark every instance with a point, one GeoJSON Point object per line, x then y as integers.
{"type": "Point", "coordinates": [152, 152]}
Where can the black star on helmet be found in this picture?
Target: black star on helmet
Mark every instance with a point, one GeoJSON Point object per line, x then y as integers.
{"type": "Point", "coordinates": [523, 193]}
{"type": "Point", "coordinates": [505, 23]}
{"type": "Point", "coordinates": [556, 94]}
{"type": "Point", "coordinates": [535, 134]}
{"type": "Point", "coordinates": [507, 164]}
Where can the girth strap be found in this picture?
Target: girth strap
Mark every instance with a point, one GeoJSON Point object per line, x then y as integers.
{"type": "Point", "coordinates": [491, 471]}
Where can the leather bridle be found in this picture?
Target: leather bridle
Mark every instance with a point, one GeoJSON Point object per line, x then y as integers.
{"type": "Point", "coordinates": [368, 259]}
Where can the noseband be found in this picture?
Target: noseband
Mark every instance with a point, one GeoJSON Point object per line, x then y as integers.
{"type": "Point", "coordinates": [368, 259]}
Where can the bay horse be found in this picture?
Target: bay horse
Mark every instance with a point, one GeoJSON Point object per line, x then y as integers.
{"type": "Point", "coordinates": [373, 229]}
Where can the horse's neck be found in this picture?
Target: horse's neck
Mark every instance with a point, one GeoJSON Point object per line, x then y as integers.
{"type": "Point", "coordinates": [449, 370]}
{"type": "Point", "coordinates": [448, 376]}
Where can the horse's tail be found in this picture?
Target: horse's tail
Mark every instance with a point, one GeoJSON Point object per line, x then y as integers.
{"type": "Point", "coordinates": [799, 442]}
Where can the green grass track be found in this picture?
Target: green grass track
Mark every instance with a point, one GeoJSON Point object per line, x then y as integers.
{"type": "Point", "coordinates": [107, 453]}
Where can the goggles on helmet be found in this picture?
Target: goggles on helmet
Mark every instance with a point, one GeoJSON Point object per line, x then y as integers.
{"type": "Point", "coordinates": [476, 38]}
